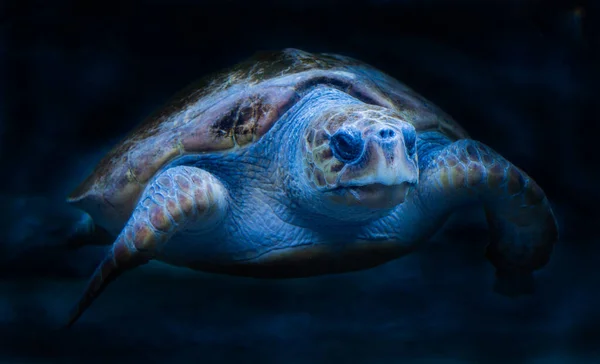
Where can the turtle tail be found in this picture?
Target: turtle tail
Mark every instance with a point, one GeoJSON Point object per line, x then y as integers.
{"type": "Point", "coordinates": [119, 259]}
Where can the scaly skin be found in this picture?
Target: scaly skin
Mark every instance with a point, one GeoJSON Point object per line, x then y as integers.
{"type": "Point", "coordinates": [523, 229]}
{"type": "Point", "coordinates": [180, 198]}
{"type": "Point", "coordinates": [274, 220]}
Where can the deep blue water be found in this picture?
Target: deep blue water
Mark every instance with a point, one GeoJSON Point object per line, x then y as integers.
{"type": "Point", "coordinates": [520, 76]}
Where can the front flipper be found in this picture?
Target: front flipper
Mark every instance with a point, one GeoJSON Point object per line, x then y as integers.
{"type": "Point", "coordinates": [180, 198]}
{"type": "Point", "coordinates": [522, 225]}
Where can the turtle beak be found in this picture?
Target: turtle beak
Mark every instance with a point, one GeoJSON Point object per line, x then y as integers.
{"type": "Point", "coordinates": [388, 158]}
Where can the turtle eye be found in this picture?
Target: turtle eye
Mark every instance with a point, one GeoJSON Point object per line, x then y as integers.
{"type": "Point", "coordinates": [410, 140]}
{"type": "Point", "coordinates": [347, 145]}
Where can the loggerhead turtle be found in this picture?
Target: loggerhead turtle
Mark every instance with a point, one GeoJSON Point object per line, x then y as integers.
{"type": "Point", "coordinates": [294, 164]}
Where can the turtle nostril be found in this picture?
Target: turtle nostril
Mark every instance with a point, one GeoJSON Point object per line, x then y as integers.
{"type": "Point", "coordinates": [347, 145]}
{"type": "Point", "coordinates": [387, 133]}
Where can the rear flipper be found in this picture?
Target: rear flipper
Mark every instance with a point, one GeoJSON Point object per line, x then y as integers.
{"type": "Point", "coordinates": [85, 232]}
{"type": "Point", "coordinates": [179, 198]}
{"type": "Point", "coordinates": [39, 225]}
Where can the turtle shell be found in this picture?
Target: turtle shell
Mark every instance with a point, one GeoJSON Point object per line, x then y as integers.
{"type": "Point", "coordinates": [233, 109]}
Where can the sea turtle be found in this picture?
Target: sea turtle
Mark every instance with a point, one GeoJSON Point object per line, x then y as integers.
{"type": "Point", "coordinates": [294, 164]}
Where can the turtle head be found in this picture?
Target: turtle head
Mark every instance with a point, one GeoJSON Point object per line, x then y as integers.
{"type": "Point", "coordinates": [360, 155]}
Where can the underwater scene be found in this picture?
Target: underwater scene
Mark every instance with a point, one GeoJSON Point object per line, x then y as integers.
{"type": "Point", "coordinates": [299, 182]}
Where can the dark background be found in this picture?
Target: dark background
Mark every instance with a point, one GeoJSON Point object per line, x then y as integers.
{"type": "Point", "coordinates": [521, 76]}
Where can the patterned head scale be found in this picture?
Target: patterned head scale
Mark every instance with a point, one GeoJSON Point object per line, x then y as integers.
{"type": "Point", "coordinates": [363, 154]}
